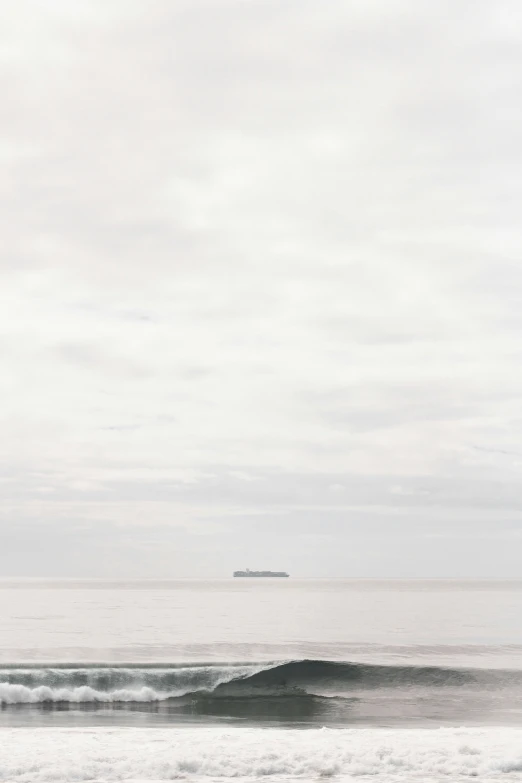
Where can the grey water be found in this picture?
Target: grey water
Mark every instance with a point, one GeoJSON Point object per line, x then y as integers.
{"type": "Point", "coordinates": [261, 652]}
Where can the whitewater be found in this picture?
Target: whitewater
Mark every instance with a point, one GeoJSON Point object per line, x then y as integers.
{"type": "Point", "coordinates": [206, 754]}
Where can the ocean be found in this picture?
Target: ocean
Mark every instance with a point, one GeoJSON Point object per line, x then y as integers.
{"type": "Point", "coordinates": [256, 679]}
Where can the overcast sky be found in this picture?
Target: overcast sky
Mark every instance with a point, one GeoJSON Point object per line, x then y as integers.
{"type": "Point", "coordinates": [261, 287]}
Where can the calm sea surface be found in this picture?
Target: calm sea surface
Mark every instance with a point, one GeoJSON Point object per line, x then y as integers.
{"type": "Point", "coordinates": [168, 620]}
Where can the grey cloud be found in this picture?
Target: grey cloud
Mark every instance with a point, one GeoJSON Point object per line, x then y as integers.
{"type": "Point", "coordinates": [94, 356]}
{"type": "Point", "coordinates": [272, 492]}
{"type": "Point", "coordinates": [261, 262]}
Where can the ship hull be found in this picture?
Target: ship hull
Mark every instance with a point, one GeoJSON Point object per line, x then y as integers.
{"type": "Point", "coordinates": [261, 574]}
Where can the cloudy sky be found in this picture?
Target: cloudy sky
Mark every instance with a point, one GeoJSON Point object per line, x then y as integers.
{"type": "Point", "coordinates": [261, 287]}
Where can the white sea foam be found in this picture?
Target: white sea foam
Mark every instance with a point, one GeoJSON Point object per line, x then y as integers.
{"type": "Point", "coordinates": [20, 694]}
{"type": "Point", "coordinates": [394, 756]}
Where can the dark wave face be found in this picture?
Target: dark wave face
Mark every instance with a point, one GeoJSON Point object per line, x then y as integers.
{"type": "Point", "coordinates": [303, 690]}
{"type": "Point", "coordinates": [332, 678]}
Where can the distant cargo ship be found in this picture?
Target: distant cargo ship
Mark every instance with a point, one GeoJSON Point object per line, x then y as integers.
{"type": "Point", "coordinates": [248, 572]}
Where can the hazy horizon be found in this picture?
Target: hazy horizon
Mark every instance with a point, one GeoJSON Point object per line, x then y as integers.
{"type": "Point", "coordinates": [260, 288]}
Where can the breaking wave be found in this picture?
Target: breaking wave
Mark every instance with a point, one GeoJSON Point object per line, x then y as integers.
{"type": "Point", "coordinates": [112, 684]}
{"type": "Point", "coordinates": [104, 684]}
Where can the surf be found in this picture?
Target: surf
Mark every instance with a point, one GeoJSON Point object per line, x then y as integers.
{"type": "Point", "coordinates": [322, 678]}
